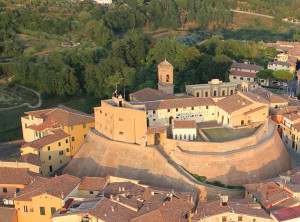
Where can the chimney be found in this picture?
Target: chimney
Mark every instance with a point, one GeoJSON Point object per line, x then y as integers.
{"type": "Point", "coordinates": [243, 103]}
{"type": "Point", "coordinates": [112, 209]}
{"type": "Point", "coordinates": [223, 201]}
{"type": "Point", "coordinates": [261, 184]}
{"type": "Point", "coordinates": [111, 197]}
{"type": "Point", "coordinates": [15, 194]}
{"type": "Point", "coordinates": [62, 195]}
{"type": "Point", "coordinates": [192, 199]}
{"type": "Point", "coordinates": [123, 188]}
{"type": "Point", "coordinates": [238, 101]}
{"type": "Point", "coordinates": [117, 198]}
{"type": "Point", "coordinates": [120, 188]}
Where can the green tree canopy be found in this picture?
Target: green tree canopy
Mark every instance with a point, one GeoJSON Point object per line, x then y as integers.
{"type": "Point", "coordinates": [283, 75]}
{"type": "Point", "coordinates": [265, 74]}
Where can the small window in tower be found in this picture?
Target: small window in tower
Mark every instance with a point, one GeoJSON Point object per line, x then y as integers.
{"type": "Point", "coordinates": [167, 78]}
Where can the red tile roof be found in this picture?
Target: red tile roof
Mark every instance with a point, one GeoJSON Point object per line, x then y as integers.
{"type": "Point", "coordinates": [240, 207]}
{"type": "Point", "coordinates": [59, 186]}
{"type": "Point", "coordinates": [184, 124]}
{"type": "Point", "coordinates": [30, 158]}
{"type": "Point", "coordinates": [16, 175]}
{"type": "Point", "coordinates": [287, 214]}
{"type": "Point", "coordinates": [233, 103]}
{"type": "Point", "coordinates": [148, 94]}
{"type": "Point", "coordinates": [165, 64]}
{"type": "Point", "coordinates": [158, 129]}
{"type": "Point", "coordinates": [243, 74]}
{"type": "Point", "coordinates": [93, 183]}
{"type": "Point", "coordinates": [177, 103]}
{"type": "Point", "coordinates": [110, 211]}
{"type": "Point", "coordinates": [60, 115]}
{"type": "Point", "coordinates": [246, 66]}
{"type": "Point", "coordinates": [7, 214]}
{"type": "Point", "coordinates": [55, 135]}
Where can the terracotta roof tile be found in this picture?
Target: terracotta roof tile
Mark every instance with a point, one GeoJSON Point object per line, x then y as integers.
{"type": "Point", "coordinates": [255, 110]}
{"type": "Point", "coordinates": [16, 175]}
{"type": "Point", "coordinates": [292, 117]}
{"type": "Point", "coordinates": [284, 110]}
{"type": "Point", "coordinates": [165, 64]}
{"type": "Point", "coordinates": [93, 183]}
{"type": "Point", "coordinates": [55, 186]}
{"type": "Point", "coordinates": [148, 94]}
{"type": "Point", "coordinates": [7, 214]}
{"type": "Point", "coordinates": [110, 211]}
{"type": "Point", "coordinates": [233, 103]}
{"type": "Point", "coordinates": [279, 63]}
{"type": "Point", "coordinates": [30, 158]}
{"type": "Point", "coordinates": [246, 66]}
{"type": "Point", "coordinates": [55, 135]}
{"type": "Point", "coordinates": [159, 129]}
{"type": "Point", "coordinates": [287, 214]}
{"type": "Point", "coordinates": [177, 103]}
{"type": "Point", "coordinates": [243, 74]}
{"type": "Point", "coordinates": [123, 187]}
{"type": "Point", "coordinates": [240, 207]}
{"type": "Point", "coordinates": [184, 124]}
{"type": "Point", "coordinates": [60, 115]}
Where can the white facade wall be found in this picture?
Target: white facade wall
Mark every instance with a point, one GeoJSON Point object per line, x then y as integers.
{"type": "Point", "coordinates": [185, 134]}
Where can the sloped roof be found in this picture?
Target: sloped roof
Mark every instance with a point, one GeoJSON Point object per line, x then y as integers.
{"type": "Point", "coordinates": [30, 158]}
{"type": "Point", "coordinates": [7, 214]}
{"type": "Point", "coordinates": [55, 135]}
{"type": "Point", "coordinates": [165, 64]}
{"type": "Point", "coordinates": [279, 63]}
{"type": "Point", "coordinates": [243, 74]}
{"type": "Point", "coordinates": [56, 186]}
{"type": "Point", "coordinates": [269, 96]}
{"type": "Point", "coordinates": [284, 110]}
{"type": "Point", "coordinates": [246, 66]}
{"type": "Point", "coordinates": [110, 211]}
{"type": "Point", "coordinates": [60, 115]}
{"type": "Point", "coordinates": [177, 103]}
{"type": "Point", "coordinates": [93, 183]}
{"type": "Point", "coordinates": [184, 124]}
{"type": "Point", "coordinates": [233, 103]}
{"type": "Point", "coordinates": [148, 94]}
{"type": "Point", "coordinates": [240, 207]}
{"type": "Point", "coordinates": [16, 175]}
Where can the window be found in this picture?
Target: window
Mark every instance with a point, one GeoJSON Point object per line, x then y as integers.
{"type": "Point", "coordinates": [198, 94]}
{"type": "Point", "coordinates": [224, 218]}
{"type": "Point", "coordinates": [53, 209]}
{"type": "Point", "coordinates": [241, 78]}
{"type": "Point", "coordinates": [17, 190]}
{"type": "Point", "coordinates": [68, 150]}
{"type": "Point", "coordinates": [192, 108]}
{"type": "Point", "coordinates": [42, 210]}
{"type": "Point", "coordinates": [31, 117]}
{"type": "Point", "coordinates": [73, 138]}
{"type": "Point", "coordinates": [60, 161]}
{"type": "Point", "coordinates": [73, 147]}
{"type": "Point", "coordinates": [50, 169]}
{"type": "Point", "coordinates": [59, 144]}
{"type": "Point", "coordinates": [67, 140]}
{"type": "Point", "coordinates": [25, 209]}
{"type": "Point", "coordinates": [4, 189]}
{"type": "Point", "coordinates": [223, 93]}
{"type": "Point", "coordinates": [206, 94]}
{"type": "Point", "coordinates": [36, 133]}
{"type": "Point", "coordinates": [62, 126]}
{"type": "Point", "coordinates": [240, 218]}
{"type": "Point", "coordinates": [84, 135]}
{"type": "Point", "coordinates": [248, 79]}
{"type": "Point", "coordinates": [84, 126]}
{"type": "Point", "coordinates": [176, 109]}
{"type": "Point", "coordinates": [254, 220]}
{"type": "Point", "coordinates": [48, 148]}
{"type": "Point", "coordinates": [61, 152]}
{"type": "Point", "coordinates": [262, 80]}
{"type": "Point", "coordinates": [206, 107]}
{"type": "Point", "coordinates": [25, 125]}
{"type": "Point", "coordinates": [120, 119]}
{"type": "Point", "coordinates": [169, 110]}
{"type": "Point", "coordinates": [234, 77]}
{"type": "Point", "coordinates": [120, 133]}
{"type": "Point", "coordinates": [153, 111]}
{"type": "Point", "coordinates": [91, 192]}
{"type": "Point", "coordinates": [72, 127]}
{"type": "Point", "coordinates": [49, 157]}
{"type": "Point", "coordinates": [231, 92]}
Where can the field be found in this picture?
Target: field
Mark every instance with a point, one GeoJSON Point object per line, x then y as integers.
{"type": "Point", "coordinates": [225, 134]}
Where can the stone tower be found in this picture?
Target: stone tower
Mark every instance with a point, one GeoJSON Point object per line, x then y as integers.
{"type": "Point", "coordinates": [165, 77]}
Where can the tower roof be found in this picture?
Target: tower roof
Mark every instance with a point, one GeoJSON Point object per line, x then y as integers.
{"type": "Point", "coordinates": [166, 64]}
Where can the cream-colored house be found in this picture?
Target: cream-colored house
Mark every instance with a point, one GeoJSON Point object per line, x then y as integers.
{"type": "Point", "coordinates": [240, 72]}
{"type": "Point", "coordinates": [278, 65]}
{"type": "Point", "coordinates": [184, 130]}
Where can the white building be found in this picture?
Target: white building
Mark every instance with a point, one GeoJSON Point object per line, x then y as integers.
{"type": "Point", "coordinates": [184, 130]}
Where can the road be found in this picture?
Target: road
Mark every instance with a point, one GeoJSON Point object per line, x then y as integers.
{"type": "Point", "coordinates": [261, 15]}
{"type": "Point", "coordinates": [10, 149]}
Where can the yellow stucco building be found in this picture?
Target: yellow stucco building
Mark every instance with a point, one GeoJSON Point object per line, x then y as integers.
{"type": "Point", "coordinates": [39, 200]}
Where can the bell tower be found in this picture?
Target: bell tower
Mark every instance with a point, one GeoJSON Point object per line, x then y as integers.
{"type": "Point", "coordinates": [165, 77]}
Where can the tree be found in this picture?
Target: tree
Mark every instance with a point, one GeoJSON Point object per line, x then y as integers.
{"type": "Point", "coordinates": [265, 74]}
{"type": "Point", "coordinates": [283, 75]}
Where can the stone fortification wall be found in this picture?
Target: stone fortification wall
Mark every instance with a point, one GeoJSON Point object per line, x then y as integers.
{"type": "Point", "coordinates": [99, 156]}
{"type": "Point", "coordinates": [32, 168]}
{"type": "Point", "coordinates": [170, 144]}
{"type": "Point", "coordinates": [233, 164]}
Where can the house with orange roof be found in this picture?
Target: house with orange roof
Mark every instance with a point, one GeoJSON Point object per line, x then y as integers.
{"type": "Point", "coordinates": [39, 200]}
{"type": "Point", "coordinates": [291, 130]}
{"type": "Point", "coordinates": [53, 151]}
{"type": "Point", "coordinates": [240, 72]}
{"type": "Point", "coordinates": [40, 123]}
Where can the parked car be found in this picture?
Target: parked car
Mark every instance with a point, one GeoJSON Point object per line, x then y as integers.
{"type": "Point", "coordinates": [285, 84]}
{"type": "Point", "coordinates": [276, 84]}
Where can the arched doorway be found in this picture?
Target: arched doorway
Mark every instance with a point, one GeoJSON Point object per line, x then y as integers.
{"type": "Point", "coordinates": [170, 119]}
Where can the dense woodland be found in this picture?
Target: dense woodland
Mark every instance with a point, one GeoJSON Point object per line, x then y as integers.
{"type": "Point", "coordinates": [116, 49]}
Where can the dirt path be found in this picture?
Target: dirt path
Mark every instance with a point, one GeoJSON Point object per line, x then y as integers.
{"type": "Point", "coordinates": [26, 104]}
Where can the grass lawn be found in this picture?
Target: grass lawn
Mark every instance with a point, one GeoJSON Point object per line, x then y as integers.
{"type": "Point", "coordinates": [226, 134]}
{"type": "Point", "coordinates": [11, 158]}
